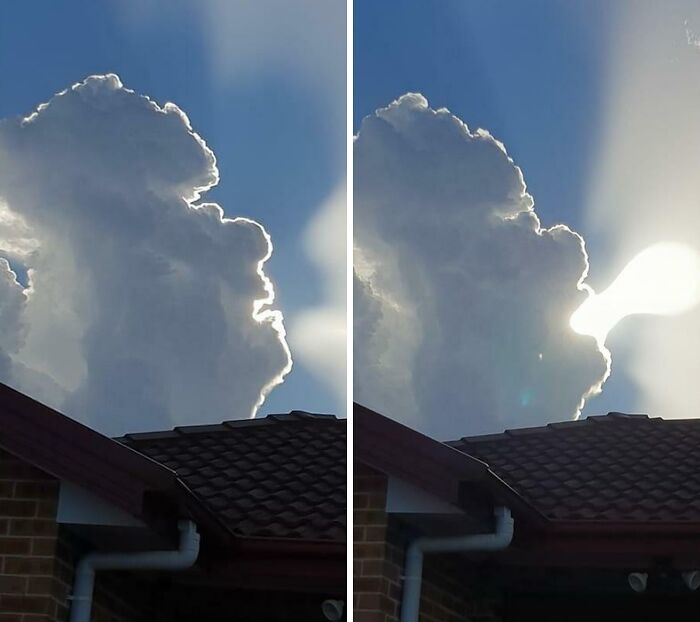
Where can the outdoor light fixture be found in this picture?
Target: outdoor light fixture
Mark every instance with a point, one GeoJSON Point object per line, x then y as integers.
{"type": "Point", "coordinates": [333, 609]}
{"type": "Point", "coordinates": [638, 581]}
{"type": "Point", "coordinates": [692, 579]}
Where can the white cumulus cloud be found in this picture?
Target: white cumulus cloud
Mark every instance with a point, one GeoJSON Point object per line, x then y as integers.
{"type": "Point", "coordinates": [144, 307]}
{"type": "Point", "coordinates": [462, 299]}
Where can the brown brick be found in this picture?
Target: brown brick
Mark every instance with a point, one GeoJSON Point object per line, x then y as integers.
{"type": "Point", "coordinates": [13, 584]}
{"type": "Point", "coordinates": [38, 489]}
{"type": "Point", "coordinates": [64, 551]}
{"type": "Point", "coordinates": [43, 546]}
{"type": "Point", "coordinates": [60, 591]}
{"type": "Point", "coordinates": [37, 566]}
{"type": "Point", "coordinates": [373, 567]}
{"type": "Point", "coordinates": [13, 617]}
{"type": "Point", "coordinates": [40, 585]}
{"type": "Point", "coordinates": [15, 546]}
{"type": "Point", "coordinates": [393, 590]}
{"type": "Point", "coordinates": [368, 584]}
{"type": "Point", "coordinates": [363, 550]}
{"type": "Point", "coordinates": [375, 533]}
{"type": "Point", "coordinates": [7, 489]}
{"type": "Point", "coordinates": [360, 500]}
{"type": "Point", "coordinates": [393, 571]}
{"type": "Point", "coordinates": [25, 604]}
{"type": "Point", "coordinates": [32, 527]}
{"type": "Point", "coordinates": [63, 572]}
{"type": "Point", "coordinates": [46, 508]}
{"type": "Point", "coordinates": [395, 554]}
{"type": "Point", "coordinates": [368, 616]}
{"type": "Point", "coordinates": [18, 508]}
{"type": "Point", "coordinates": [373, 601]}
{"type": "Point", "coordinates": [61, 612]}
{"type": "Point", "coordinates": [369, 517]}
{"type": "Point", "coordinates": [376, 501]}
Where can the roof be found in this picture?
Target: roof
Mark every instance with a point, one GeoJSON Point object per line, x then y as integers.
{"type": "Point", "coordinates": [282, 476]}
{"type": "Point", "coordinates": [68, 450]}
{"type": "Point", "coordinates": [612, 468]}
{"type": "Point", "coordinates": [437, 468]}
{"type": "Point", "coordinates": [279, 477]}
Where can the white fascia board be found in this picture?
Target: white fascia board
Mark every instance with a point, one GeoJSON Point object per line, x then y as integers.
{"type": "Point", "coordinates": [77, 506]}
{"type": "Point", "coordinates": [405, 498]}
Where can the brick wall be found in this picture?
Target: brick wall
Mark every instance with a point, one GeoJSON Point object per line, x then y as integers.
{"type": "Point", "coordinates": [37, 556]}
{"type": "Point", "coordinates": [376, 574]}
{"type": "Point", "coordinates": [379, 546]}
{"type": "Point", "coordinates": [28, 538]}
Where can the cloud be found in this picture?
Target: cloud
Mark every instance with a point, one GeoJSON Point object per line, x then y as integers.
{"type": "Point", "coordinates": [299, 48]}
{"type": "Point", "coordinates": [318, 334]}
{"type": "Point", "coordinates": [462, 300]}
{"type": "Point", "coordinates": [645, 189]}
{"type": "Point", "coordinates": [303, 37]}
{"type": "Point", "coordinates": [145, 307]}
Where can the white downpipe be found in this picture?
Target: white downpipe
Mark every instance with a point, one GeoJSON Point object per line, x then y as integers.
{"type": "Point", "coordinates": [499, 539]}
{"type": "Point", "coordinates": [178, 559]}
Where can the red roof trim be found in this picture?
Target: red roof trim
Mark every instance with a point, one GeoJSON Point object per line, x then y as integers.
{"type": "Point", "coordinates": [68, 450]}
{"type": "Point", "coordinates": [396, 449]}
{"type": "Point", "coordinates": [625, 527]}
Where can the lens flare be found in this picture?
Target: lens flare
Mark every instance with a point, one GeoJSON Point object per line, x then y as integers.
{"type": "Point", "coordinates": [663, 279]}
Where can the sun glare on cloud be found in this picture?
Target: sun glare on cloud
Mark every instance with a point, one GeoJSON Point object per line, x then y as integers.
{"type": "Point", "coordinates": [663, 279]}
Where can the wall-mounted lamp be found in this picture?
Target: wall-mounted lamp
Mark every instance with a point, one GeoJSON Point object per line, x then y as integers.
{"type": "Point", "coordinates": [638, 581]}
{"type": "Point", "coordinates": [692, 579]}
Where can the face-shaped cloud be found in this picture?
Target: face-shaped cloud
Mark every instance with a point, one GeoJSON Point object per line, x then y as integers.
{"type": "Point", "coordinates": [462, 300]}
{"type": "Point", "coordinates": [143, 308]}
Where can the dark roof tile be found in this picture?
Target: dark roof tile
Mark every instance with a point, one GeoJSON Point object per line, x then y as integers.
{"type": "Point", "coordinates": [282, 476]}
{"type": "Point", "coordinates": [614, 467]}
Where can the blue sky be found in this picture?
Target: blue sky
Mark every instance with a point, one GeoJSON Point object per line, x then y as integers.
{"type": "Point", "coordinates": [529, 73]}
{"type": "Point", "coordinates": [279, 148]}
{"type": "Point", "coordinates": [535, 75]}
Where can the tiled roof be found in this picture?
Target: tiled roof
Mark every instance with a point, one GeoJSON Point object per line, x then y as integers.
{"type": "Point", "coordinates": [606, 468]}
{"type": "Point", "coordinates": [282, 476]}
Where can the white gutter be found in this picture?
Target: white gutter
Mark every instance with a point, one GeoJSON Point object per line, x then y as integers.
{"type": "Point", "coordinates": [178, 559]}
{"type": "Point", "coordinates": [500, 539]}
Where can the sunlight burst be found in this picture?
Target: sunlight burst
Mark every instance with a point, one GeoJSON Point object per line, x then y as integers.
{"type": "Point", "coordinates": [663, 279]}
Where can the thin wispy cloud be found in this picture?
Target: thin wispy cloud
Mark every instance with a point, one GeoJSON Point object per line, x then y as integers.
{"type": "Point", "coordinates": [144, 306]}
{"type": "Point", "coordinates": [318, 335]}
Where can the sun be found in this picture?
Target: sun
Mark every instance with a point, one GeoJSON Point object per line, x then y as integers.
{"type": "Point", "coordinates": [663, 279]}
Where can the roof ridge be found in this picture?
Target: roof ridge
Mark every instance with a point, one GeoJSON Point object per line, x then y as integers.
{"type": "Point", "coordinates": [300, 414]}
{"type": "Point", "coordinates": [225, 426]}
{"type": "Point", "coordinates": [610, 417]}
{"type": "Point", "coordinates": [614, 415]}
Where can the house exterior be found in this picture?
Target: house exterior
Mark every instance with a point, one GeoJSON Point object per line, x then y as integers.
{"type": "Point", "coordinates": [605, 521]}
{"type": "Point", "coordinates": [264, 500]}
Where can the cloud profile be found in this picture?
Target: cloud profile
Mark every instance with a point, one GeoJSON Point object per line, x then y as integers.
{"type": "Point", "coordinates": [144, 307]}
{"type": "Point", "coordinates": [462, 299]}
